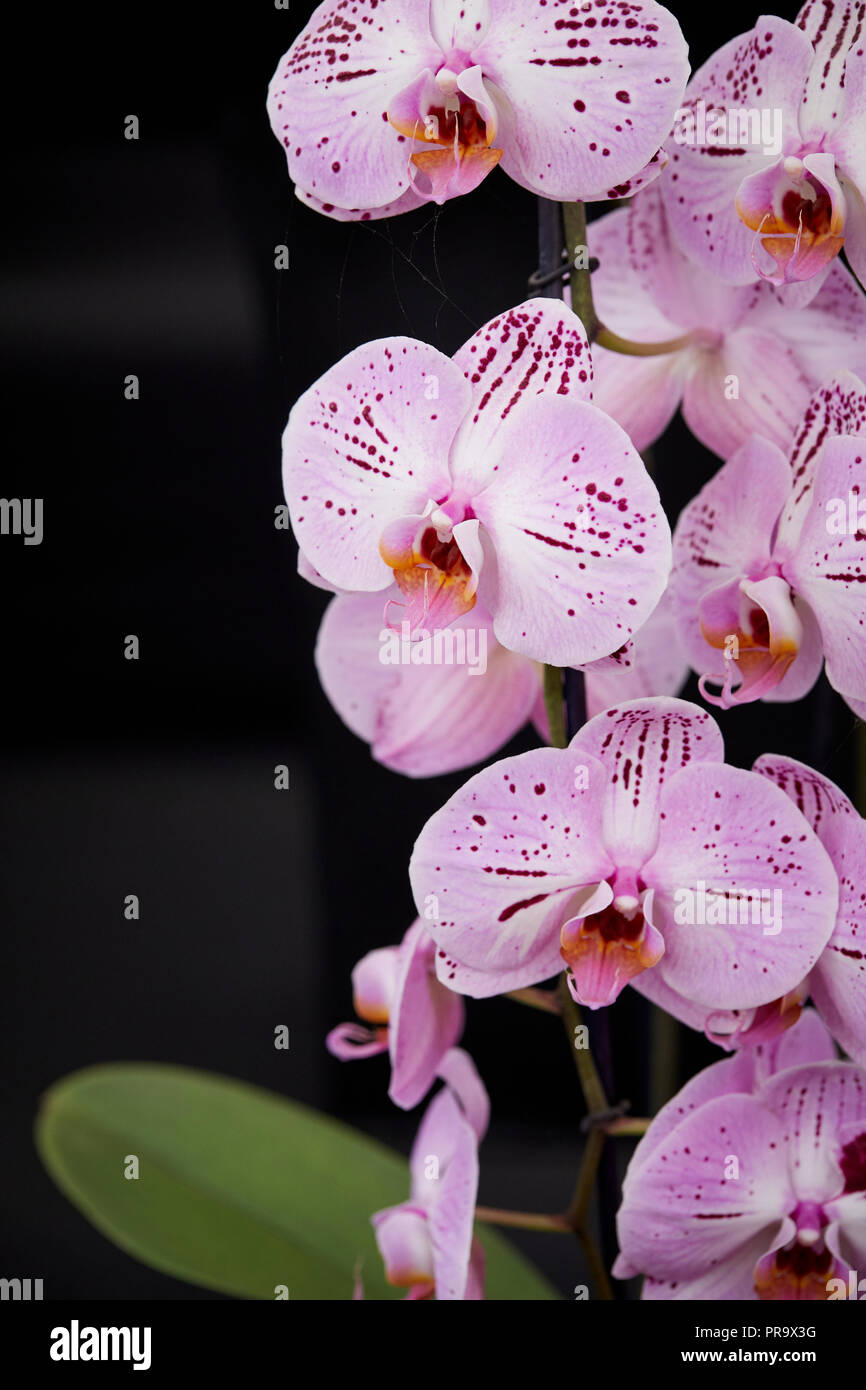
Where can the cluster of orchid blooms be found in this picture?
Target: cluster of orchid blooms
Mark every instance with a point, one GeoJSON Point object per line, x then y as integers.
{"type": "Point", "coordinates": [503, 490]}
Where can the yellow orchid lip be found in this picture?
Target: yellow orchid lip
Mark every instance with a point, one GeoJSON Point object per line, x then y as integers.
{"type": "Point", "coordinates": [434, 596]}
{"type": "Point", "coordinates": [755, 649]}
{"type": "Point", "coordinates": [759, 636]}
{"type": "Point", "coordinates": [424, 548]}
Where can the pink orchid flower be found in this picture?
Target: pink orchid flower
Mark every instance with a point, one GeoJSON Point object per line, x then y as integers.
{"type": "Point", "coordinates": [413, 1017]}
{"type": "Point", "coordinates": [449, 700]}
{"type": "Point", "coordinates": [656, 665]}
{"type": "Point", "coordinates": [748, 362]}
{"type": "Point", "coordinates": [486, 476]}
{"type": "Point", "coordinates": [383, 105]}
{"type": "Point", "coordinates": [769, 562]}
{"type": "Point", "coordinates": [426, 706]}
{"type": "Point", "coordinates": [837, 982]}
{"type": "Point", "coordinates": [751, 1182]}
{"type": "Point", "coordinates": [427, 1243]}
{"type": "Point", "coordinates": [652, 663]}
{"type": "Point", "coordinates": [635, 849]}
{"type": "Point", "coordinates": [768, 155]}
{"type": "Point", "coordinates": [731, 1029]}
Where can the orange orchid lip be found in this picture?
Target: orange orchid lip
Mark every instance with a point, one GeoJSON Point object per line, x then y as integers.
{"type": "Point", "coordinates": [608, 949]}
{"type": "Point", "coordinates": [433, 162]}
{"type": "Point", "coordinates": [432, 572]}
{"type": "Point", "coordinates": [376, 1014]}
{"type": "Point", "coordinates": [798, 1272]}
{"type": "Point", "coordinates": [798, 219]}
{"type": "Point", "coordinates": [408, 1279]}
{"type": "Point", "coordinates": [459, 121]}
{"type": "Point", "coordinates": [760, 642]}
{"type": "Point", "coordinates": [454, 114]}
{"type": "Point", "coordinates": [759, 658]}
{"type": "Point", "coordinates": [434, 596]}
{"type": "Point", "coordinates": [444, 111]}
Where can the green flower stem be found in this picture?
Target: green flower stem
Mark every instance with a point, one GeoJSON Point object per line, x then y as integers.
{"type": "Point", "coordinates": [629, 1127]}
{"type": "Point", "coordinates": [523, 1220]}
{"type": "Point", "coordinates": [554, 704]}
{"type": "Point", "coordinates": [596, 1265]}
{"type": "Point", "coordinates": [606, 338]}
{"type": "Point", "coordinates": [596, 1102]}
{"type": "Point", "coordinates": [544, 999]}
{"type": "Point", "coordinates": [563, 1225]}
{"type": "Point", "coordinates": [574, 219]}
{"type": "Point", "coordinates": [590, 1081]}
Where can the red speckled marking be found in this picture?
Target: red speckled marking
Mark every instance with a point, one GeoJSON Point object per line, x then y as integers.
{"type": "Point", "coordinates": [524, 352]}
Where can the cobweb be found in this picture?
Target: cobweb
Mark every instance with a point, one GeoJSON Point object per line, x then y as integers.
{"type": "Point", "coordinates": [422, 238]}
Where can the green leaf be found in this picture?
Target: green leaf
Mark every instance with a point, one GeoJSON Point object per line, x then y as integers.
{"type": "Point", "coordinates": [239, 1189]}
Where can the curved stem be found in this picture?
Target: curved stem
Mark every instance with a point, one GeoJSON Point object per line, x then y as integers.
{"type": "Point", "coordinates": [574, 219]}
{"type": "Point", "coordinates": [606, 338]}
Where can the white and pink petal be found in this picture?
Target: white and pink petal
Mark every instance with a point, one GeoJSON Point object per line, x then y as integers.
{"type": "Point", "coordinates": [495, 870]}
{"type": "Point", "coordinates": [328, 98]}
{"type": "Point", "coordinates": [580, 537]}
{"type": "Point", "coordinates": [537, 347]}
{"type": "Point", "coordinates": [426, 1020]}
{"type": "Point", "coordinates": [657, 665]}
{"type": "Point", "coordinates": [733, 847]}
{"type": "Point", "coordinates": [642, 745]}
{"type": "Point", "coordinates": [683, 1217]}
{"type": "Point", "coordinates": [448, 699]}
{"type": "Point", "coordinates": [828, 565]}
{"type": "Point", "coordinates": [589, 95]}
{"type": "Point", "coordinates": [364, 446]}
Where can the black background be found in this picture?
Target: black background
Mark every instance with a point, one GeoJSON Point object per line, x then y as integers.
{"type": "Point", "coordinates": [155, 777]}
